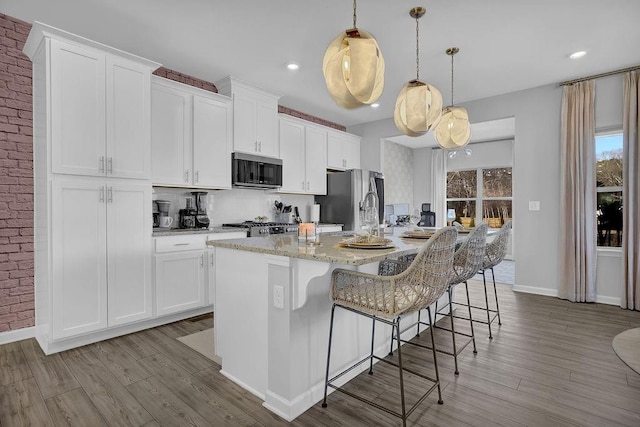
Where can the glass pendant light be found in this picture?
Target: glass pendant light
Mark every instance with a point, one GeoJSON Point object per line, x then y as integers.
{"type": "Point", "coordinates": [419, 104]}
{"type": "Point", "coordinates": [353, 67]}
{"type": "Point", "coordinates": [454, 129]}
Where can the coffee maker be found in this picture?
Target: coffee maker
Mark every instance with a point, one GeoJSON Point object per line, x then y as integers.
{"type": "Point", "coordinates": [188, 214]}
{"type": "Point", "coordinates": [201, 218]}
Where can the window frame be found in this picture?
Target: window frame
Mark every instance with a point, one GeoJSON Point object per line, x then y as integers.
{"type": "Point", "coordinates": [611, 189]}
{"type": "Point", "coordinates": [479, 199]}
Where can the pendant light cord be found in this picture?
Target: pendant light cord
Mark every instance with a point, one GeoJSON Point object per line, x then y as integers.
{"type": "Point", "coordinates": [417, 49]}
{"type": "Point", "coordinates": [354, 14]}
{"type": "Point", "coordinates": [452, 80]}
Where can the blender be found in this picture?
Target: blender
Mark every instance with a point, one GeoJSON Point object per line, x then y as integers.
{"type": "Point", "coordinates": [202, 220]}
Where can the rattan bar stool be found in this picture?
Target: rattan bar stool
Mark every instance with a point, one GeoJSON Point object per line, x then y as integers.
{"type": "Point", "coordinates": [385, 299]}
{"type": "Point", "coordinates": [495, 252]}
{"type": "Point", "coordinates": [467, 260]}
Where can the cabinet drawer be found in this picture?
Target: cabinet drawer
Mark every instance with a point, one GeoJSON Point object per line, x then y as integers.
{"type": "Point", "coordinates": [180, 243]}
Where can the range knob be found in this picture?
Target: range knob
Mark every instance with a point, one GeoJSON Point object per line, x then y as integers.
{"type": "Point", "coordinates": [264, 231]}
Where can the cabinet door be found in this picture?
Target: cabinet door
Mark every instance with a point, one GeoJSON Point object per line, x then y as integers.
{"type": "Point", "coordinates": [128, 119]}
{"type": "Point", "coordinates": [335, 158]}
{"type": "Point", "coordinates": [211, 143]}
{"type": "Point", "coordinates": [179, 281]}
{"type": "Point", "coordinates": [292, 152]}
{"type": "Point", "coordinates": [267, 129]}
{"type": "Point", "coordinates": [129, 252]}
{"type": "Point", "coordinates": [351, 152]}
{"type": "Point", "coordinates": [316, 160]}
{"type": "Point", "coordinates": [77, 110]}
{"type": "Point", "coordinates": [170, 136]}
{"type": "Point", "coordinates": [244, 124]}
{"type": "Point", "coordinates": [78, 250]}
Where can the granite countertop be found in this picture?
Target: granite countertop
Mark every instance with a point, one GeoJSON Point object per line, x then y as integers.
{"type": "Point", "coordinates": [325, 249]}
{"type": "Point", "coordinates": [180, 231]}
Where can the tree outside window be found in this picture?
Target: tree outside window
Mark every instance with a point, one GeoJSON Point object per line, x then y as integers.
{"type": "Point", "coordinates": [609, 189]}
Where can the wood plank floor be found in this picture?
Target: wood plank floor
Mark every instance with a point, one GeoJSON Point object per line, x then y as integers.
{"type": "Point", "coordinates": [550, 363]}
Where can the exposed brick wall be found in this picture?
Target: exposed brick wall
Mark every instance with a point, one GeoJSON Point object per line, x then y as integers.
{"type": "Point", "coordinates": [16, 178]}
{"type": "Point", "coordinates": [310, 118]}
{"type": "Point", "coordinates": [183, 78]}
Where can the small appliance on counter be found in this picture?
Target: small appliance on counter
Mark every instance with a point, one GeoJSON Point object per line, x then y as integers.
{"type": "Point", "coordinates": [201, 220]}
{"type": "Point", "coordinates": [163, 214]}
{"type": "Point", "coordinates": [156, 214]}
{"type": "Point", "coordinates": [188, 214]}
{"type": "Point", "coordinates": [427, 218]}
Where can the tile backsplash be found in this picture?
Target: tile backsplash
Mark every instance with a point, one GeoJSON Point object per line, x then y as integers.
{"type": "Point", "coordinates": [236, 205]}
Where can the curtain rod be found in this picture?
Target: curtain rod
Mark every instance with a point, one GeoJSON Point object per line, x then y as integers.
{"type": "Point", "coordinates": [597, 76]}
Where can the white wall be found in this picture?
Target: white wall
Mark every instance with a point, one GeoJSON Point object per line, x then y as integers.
{"type": "Point", "coordinates": [536, 174]}
{"type": "Point", "coordinates": [422, 177]}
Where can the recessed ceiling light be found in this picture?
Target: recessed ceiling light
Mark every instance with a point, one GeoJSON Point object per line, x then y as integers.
{"type": "Point", "coordinates": [579, 54]}
{"type": "Point", "coordinates": [375, 105]}
{"type": "Point", "coordinates": [293, 66]}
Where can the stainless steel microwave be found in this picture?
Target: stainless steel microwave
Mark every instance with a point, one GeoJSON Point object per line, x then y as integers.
{"type": "Point", "coordinates": [251, 171]}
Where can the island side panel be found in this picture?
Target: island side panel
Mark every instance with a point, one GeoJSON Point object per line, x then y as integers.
{"type": "Point", "coordinates": [241, 325]}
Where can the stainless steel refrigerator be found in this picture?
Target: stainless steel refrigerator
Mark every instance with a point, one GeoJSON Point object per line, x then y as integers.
{"type": "Point", "coordinates": [345, 194]}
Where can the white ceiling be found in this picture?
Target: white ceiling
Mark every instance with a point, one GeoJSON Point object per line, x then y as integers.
{"type": "Point", "coordinates": [505, 45]}
{"type": "Point", "coordinates": [482, 131]}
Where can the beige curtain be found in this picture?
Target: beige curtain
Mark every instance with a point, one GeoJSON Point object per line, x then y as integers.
{"type": "Point", "coordinates": [631, 192]}
{"type": "Point", "coordinates": [578, 194]}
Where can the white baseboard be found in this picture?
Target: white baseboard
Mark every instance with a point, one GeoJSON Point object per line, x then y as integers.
{"type": "Point", "coordinates": [602, 299]}
{"type": "Point", "coordinates": [242, 384]}
{"type": "Point", "coordinates": [535, 290]}
{"type": "Point", "coordinates": [17, 335]}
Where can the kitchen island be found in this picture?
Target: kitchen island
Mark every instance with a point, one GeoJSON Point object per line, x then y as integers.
{"type": "Point", "coordinates": [272, 315]}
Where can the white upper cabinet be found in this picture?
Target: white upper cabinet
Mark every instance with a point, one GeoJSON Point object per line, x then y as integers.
{"type": "Point", "coordinates": [255, 118]}
{"type": "Point", "coordinates": [128, 119]}
{"type": "Point", "coordinates": [343, 151]}
{"type": "Point", "coordinates": [99, 110]}
{"type": "Point", "coordinates": [191, 136]}
{"type": "Point", "coordinates": [303, 148]}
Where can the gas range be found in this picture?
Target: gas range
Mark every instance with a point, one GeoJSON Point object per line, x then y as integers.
{"type": "Point", "coordinates": [265, 228]}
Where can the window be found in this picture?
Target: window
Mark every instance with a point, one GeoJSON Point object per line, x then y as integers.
{"type": "Point", "coordinates": [480, 195]}
{"type": "Point", "coordinates": [609, 189]}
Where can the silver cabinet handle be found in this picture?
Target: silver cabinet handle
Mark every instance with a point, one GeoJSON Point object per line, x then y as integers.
{"type": "Point", "coordinates": [181, 244]}
{"type": "Point", "coordinates": [256, 146]}
{"type": "Point", "coordinates": [197, 179]}
{"type": "Point", "coordinates": [102, 164]}
{"type": "Point", "coordinates": [260, 145]}
{"type": "Point", "coordinates": [213, 260]}
{"type": "Point", "coordinates": [308, 186]}
{"type": "Point", "coordinates": [110, 195]}
{"type": "Point", "coordinates": [202, 260]}
{"type": "Point", "coordinates": [110, 165]}
{"type": "Point", "coordinates": [302, 185]}
{"type": "Point", "coordinates": [102, 194]}
{"type": "Point", "coordinates": [186, 176]}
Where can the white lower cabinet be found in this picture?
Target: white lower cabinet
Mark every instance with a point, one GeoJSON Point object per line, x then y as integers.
{"type": "Point", "coordinates": [100, 255]}
{"type": "Point", "coordinates": [179, 281]}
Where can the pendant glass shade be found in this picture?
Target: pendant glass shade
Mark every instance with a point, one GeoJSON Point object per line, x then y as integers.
{"type": "Point", "coordinates": [418, 108]}
{"type": "Point", "coordinates": [353, 69]}
{"type": "Point", "coordinates": [454, 130]}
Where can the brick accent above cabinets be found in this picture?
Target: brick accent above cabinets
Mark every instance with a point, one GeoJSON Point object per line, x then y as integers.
{"type": "Point", "coordinates": [186, 79]}
{"type": "Point", "coordinates": [16, 178]}
{"type": "Point", "coordinates": [310, 118]}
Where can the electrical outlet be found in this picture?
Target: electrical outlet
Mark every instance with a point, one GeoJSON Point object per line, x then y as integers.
{"type": "Point", "coordinates": [278, 297]}
{"type": "Point", "coordinates": [534, 205]}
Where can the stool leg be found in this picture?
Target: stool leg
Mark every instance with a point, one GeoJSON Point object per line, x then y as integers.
{"type": "Point", "coordinates": [435, 357]}
{"type": "Point", "coordinates": [453, 332]}
{"type": "Point", "coordinates": [418, 333]}
{"type": "Point", "coordinates": [326, 382]}
{"type": "Point", "coordinates": [495, 291]}
{"type": "Point", "coordinates": [397, 328]}
{"type": "Point", "coordinates": [486, 300]}
{"type": "Point", "coordinates": [473, 335]}
{"type": "Point", "coordinates": [373, 334]}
